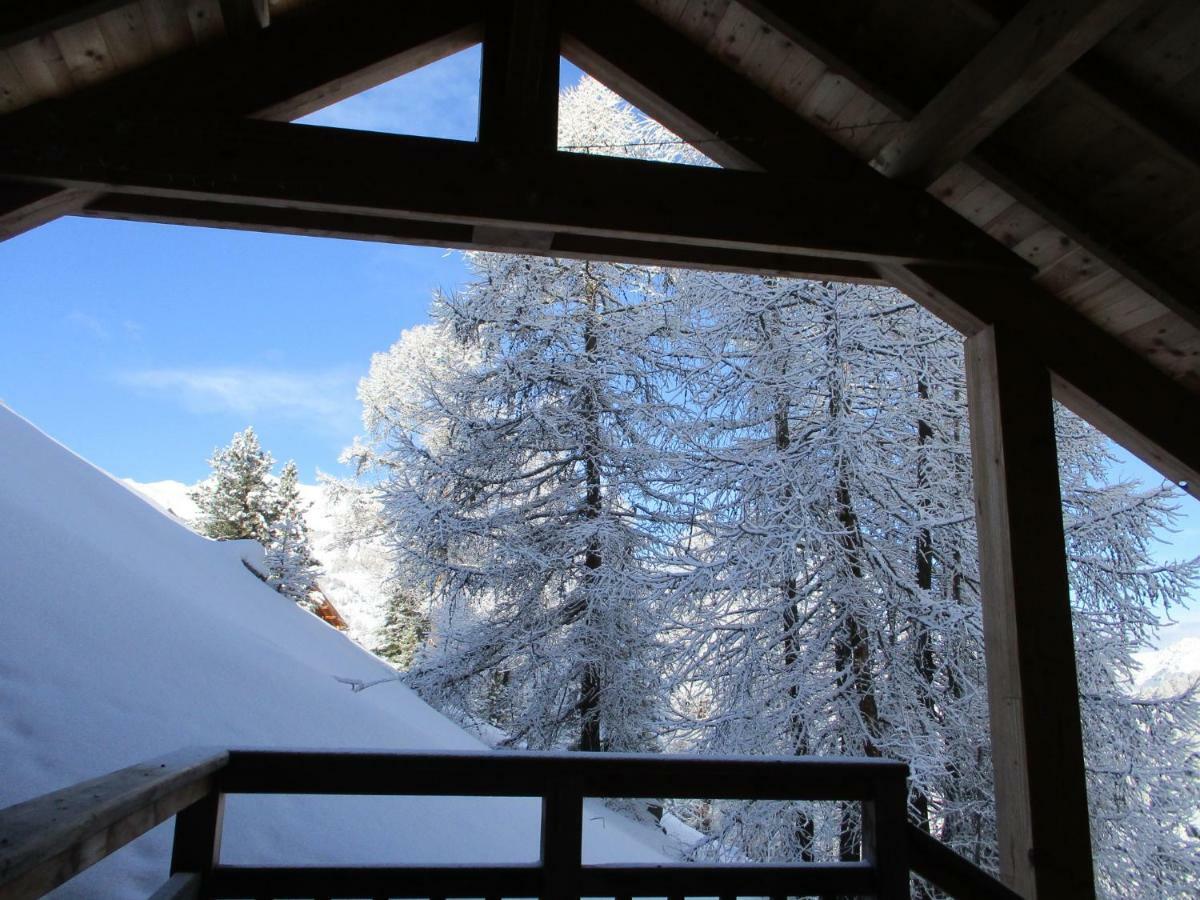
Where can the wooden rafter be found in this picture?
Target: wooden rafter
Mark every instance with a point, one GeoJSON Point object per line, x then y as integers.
{"type": "Point", "coordinates": [1156, 276]}
{"type": "Point", "coordinates": [279, 73]}
{"type": "Point", "coordinates": [1033, 48]}
{"type": "Point", "coordinates": [271, 164]}
{"type": "Point", "coordinates": [21, 20]}
{"type": "Point", "coordinates": [698, 97]}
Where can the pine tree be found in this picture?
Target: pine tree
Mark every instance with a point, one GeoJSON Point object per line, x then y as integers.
{"type": "Point", "coordinates": [291, 568]}
{"type": "Point", "coordinates": [237, 501]}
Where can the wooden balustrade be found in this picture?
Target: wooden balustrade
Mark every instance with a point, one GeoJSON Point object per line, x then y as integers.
{"type": "Point", "coordinates": [47, 841]}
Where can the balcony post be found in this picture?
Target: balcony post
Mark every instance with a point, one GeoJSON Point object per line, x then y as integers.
{"type": "Point", "coordinates": [1033, 690]}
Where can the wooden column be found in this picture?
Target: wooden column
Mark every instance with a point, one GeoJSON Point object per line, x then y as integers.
{"type": "Point", "coordinates": [518, 94]}
{"type": "Point", "coordinates": [1033, 692]}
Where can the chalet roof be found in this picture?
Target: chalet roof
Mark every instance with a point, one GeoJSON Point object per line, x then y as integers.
{"type": "Point", "coordinates": [1033, 164]}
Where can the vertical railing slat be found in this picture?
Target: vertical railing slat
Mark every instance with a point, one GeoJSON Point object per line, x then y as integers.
{"type": "Point", "coordinates": [562, 841]}
{"type": "Point", "coordinates": [885, 843]}
{"type": "Point", "coordinates": [197, 843]}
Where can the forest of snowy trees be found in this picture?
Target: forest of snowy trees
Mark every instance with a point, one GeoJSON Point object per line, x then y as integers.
{"type": "Point", "coordinates": [644, 509]}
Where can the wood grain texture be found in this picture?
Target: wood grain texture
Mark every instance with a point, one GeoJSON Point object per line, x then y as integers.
{"type": "Point", "coordinates": [1033, 695]}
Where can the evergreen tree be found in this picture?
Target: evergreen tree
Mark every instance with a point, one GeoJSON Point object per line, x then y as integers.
{"type": "Point", "coordinates": [291, 568]}
{"type": "Point", "coordinates": [237, 501]}
{"type": "Point", "coordinates": [405, 628]}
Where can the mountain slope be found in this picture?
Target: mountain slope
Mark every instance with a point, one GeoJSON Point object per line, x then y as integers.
{"type": "Point", "coordinates": [127, 636]}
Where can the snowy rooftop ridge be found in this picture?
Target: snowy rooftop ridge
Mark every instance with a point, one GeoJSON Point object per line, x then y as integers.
{"type": "Point", "coordinates": [130, 637]}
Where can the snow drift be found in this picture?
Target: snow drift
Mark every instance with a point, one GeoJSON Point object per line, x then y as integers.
{"type": "Point", "coordinates": [127, 636]}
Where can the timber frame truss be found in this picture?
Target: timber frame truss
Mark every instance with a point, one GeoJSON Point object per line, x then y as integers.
{"type": "Point", "coordinates": [203, 137]}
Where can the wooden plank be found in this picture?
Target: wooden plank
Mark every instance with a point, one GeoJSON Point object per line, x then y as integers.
{"type": "Point", "coordinates": [85, 52]}
{"type": "Point", "coordinates": [938, 864]}
{"type": "Point", "coordinates": [204, 18]}
{"type": "Point", "coordinates": [127, 36]}
{"type": "Point", "coordinates": [21, 20]}
{"type": "Point", "coordinates": [50, 839]}
{"type": "Point", "coordinates": [14, 91]}
{"type": "Point", "coordinates": [527, 774]}
{"type": "Point", "coordinates": [168, 26]}
{"type": "Point", "coordinates": [518, 97]}
{"type": "Point", "coordinates": [283, 220]}
{"type": "Point", "coordinates": [1033, 690]}
{"type": "Point", "coordinates": [273, 164]}
{"type": "Point", "coordinates": [1036, 45]}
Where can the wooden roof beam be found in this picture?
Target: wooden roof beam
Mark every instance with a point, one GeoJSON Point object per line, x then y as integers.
{"type": "Point", "coordinates": [1106, 90]}
{"type": "Point", "coordinates": [1157, 277]}
{"type": "Point", "coordinates": [278, 73]}
{"type": "Point", "coordinates": [1040, 42]}
{"type": "Point", "coordinates": [390, 229]}
{"type": "Point", "coordinates": [698, 97]}
{"type": "Point", "coordinates": [333, 170]}
{"type": "Point", "coordinates": [21, 20]}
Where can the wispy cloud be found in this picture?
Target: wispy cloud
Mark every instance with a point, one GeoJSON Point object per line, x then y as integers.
{"type": "Point", "coordinates": [324, 400]}
{"type": "Point", "coordinates": [88, 323]}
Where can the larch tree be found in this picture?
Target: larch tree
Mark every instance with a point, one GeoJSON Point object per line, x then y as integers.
{"type": "Point", "coordinates": [725, 513]}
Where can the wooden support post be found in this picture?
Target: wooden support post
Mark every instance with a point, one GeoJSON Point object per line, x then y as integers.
{"type": "Point", "coordinates": [197, 844]}
{"type": "Point", "coordinates": [884, 842]}
{"type": "Point", "coordinates": [562, 841]}
{"type": "Point", "coordinates": [518, 94]}
{"type": "Point", "coordinates": [1033, 691]}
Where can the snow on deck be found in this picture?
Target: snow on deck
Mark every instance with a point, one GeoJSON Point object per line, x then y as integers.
{"type": "Point", "coordinates": [126, 636]}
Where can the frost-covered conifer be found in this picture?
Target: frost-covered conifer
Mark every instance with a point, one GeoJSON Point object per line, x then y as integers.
{"type": "Point", "coordinates": [237, 501]}
{"type": "Point", "coordinates": [291, 568]}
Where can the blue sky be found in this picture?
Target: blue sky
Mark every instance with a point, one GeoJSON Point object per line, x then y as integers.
{"type": "Point", "coordinates": [142, 347]}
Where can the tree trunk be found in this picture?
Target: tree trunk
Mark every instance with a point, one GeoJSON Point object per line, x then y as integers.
{"type": "Point", "coordinates": [590, 683]}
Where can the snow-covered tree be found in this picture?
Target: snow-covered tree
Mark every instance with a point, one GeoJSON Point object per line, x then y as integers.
{"type": "Point", "coordinates": [291, 568]}
{"type": "Point", "coordinates": [731, 513]}
{"type": "Point", "coordinates": [238, 501]}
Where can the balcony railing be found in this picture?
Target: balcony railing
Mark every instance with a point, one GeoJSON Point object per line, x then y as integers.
{"type": "Point", "coordinates": [47, 841]}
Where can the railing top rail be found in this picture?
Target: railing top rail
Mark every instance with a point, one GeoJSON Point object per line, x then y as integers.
{"type": "Point", "coordinates": [526, 774]}
{"type": "Point", "coordinates": [47, 840]}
